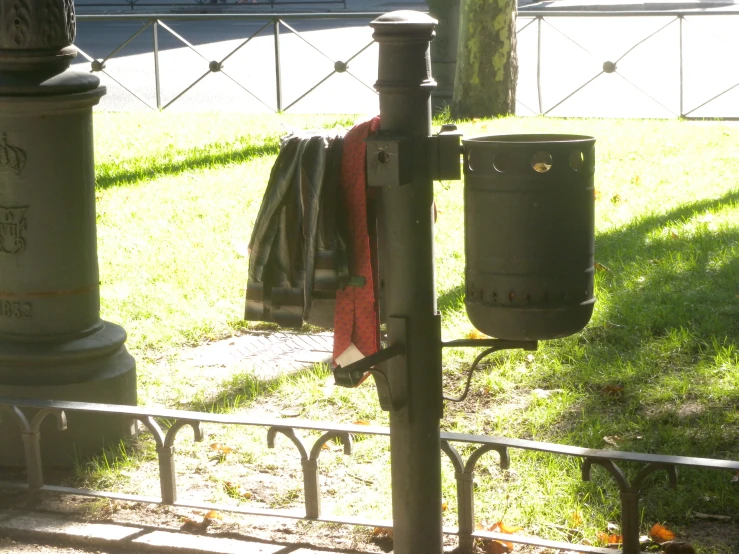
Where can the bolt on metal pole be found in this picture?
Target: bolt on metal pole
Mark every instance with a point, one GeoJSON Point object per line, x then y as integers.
{"type": "Point", "coordinates": [405, 229]}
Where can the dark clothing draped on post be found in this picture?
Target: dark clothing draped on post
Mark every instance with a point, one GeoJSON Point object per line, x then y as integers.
{"type": "Point", "coordinates": [295, 245]}
{"type": "Point", "coordinates": [312, 253]}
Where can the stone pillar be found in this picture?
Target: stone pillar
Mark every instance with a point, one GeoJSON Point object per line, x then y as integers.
{"type": "Point", "coordinates": [53, 344]}
{"type": "Point", "coordinates": [444, 51]}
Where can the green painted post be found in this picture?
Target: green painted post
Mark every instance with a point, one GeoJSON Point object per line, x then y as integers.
{"type": "Point", "coordinates": [53, 344]}
{"type": "Point", "coordinates": [405, 228]}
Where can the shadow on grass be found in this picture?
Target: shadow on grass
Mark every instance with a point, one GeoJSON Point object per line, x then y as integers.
{"type": "Point", "coordinates": [243, 388]}
{"type": "Point", "coordinates": [116, 174]}
{"type": "Point", "coordinates": [657, 369]}
{"type": "Point", "coordinates": [669, 315]}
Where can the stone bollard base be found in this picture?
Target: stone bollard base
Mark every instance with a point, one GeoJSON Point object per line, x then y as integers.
{"type": "Point", "coordinates": [53, 345]}
{"type": "Point", "coordinates": [87, 434]}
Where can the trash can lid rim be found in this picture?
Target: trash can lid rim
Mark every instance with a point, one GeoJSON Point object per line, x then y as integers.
{"type": "Point", "coordinates": [531, 138]}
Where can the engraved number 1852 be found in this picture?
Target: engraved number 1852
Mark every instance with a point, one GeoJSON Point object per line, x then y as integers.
{"type": "Point", "coordinates": [15, 310]}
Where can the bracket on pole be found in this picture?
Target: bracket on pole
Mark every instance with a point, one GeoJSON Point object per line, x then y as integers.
{"type": "Point", "coordinates": [353, 374]}
{"type": "Point", "coordinates": [446, 148]}
{"type": "Point", "coordinates": [390, 157]}
{"type": "Point", "coordinates": [389, 160]}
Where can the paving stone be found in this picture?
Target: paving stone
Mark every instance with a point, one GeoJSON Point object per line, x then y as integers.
{"type": "Point", "coordinates": [59, 530]}
{"type": "Point", "coordinates": [267, 354]}
{"type": "Point", "coordinates": [176, 542]}
{"type": "Point", "coordinates": [49, 525]}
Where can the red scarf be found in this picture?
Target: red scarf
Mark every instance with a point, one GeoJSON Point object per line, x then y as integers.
{"type": "Point", "coordinates": [356, 317]}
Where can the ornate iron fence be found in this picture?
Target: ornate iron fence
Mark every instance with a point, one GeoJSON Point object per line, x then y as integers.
{"type": "Point", "coordinates": [29, 415]}
{"type": "Point", "coordinates": [548, 69]}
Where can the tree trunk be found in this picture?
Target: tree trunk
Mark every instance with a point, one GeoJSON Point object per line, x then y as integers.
{"type": "Point", "coordinates": [487, 66]}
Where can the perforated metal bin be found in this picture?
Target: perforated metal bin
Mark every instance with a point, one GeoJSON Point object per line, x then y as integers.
{"type": "Point", "coordinates": [529, 234]}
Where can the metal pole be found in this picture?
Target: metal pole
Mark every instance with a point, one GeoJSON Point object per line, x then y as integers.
{"type": "Point", "coordinates": [155, 28]}
{"type": "Point", "coordinates": [278, 69]}
{"type": "Point", "coordinates": [406, 224]}
{"type": "Point", "coordinates": [630, 522]}
{"type": "Point", "coordinates": [682, 114]}
{"type": "Point", "coordinates": [538, 62]}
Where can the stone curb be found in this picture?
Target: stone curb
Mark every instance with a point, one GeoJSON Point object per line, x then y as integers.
{"type": "Point", "coordinates": [61, 530]}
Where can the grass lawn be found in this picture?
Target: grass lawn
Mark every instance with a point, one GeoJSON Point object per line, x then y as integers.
{"type": "Point", "coordinates": [655, 370]}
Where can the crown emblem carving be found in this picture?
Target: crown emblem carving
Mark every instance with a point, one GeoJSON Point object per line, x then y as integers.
{"type": "Point", "coordinates": [12, 158]}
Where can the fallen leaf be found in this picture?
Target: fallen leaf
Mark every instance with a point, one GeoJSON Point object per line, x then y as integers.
{"type": "Point", "coordinates": [613, 390]}
{"type": "Point", "coordinates": [213, 514]}
{"type": "Point", "coordinates": [660, 533]}
{"type": "Point", "coordinates": [576, 519]}
{"type": "Point", "coordinates": [605, 538]}
{"type": "Point", "coordinates": [194, 526]}
{"type": "Point", "coordinates": [613, 440]}
{"type": "Point", "coordinates": [674, 234]}
{"type": "Point", "coordinates": [362, 422]}
{"type": "Point", "coordinates": [491, 546]}
{"type": "Point", "coordinates": [735, 479]}
{"type": "Point", "coordinates": [476, 335]}
{"type": "Point", "coordinates": [503, 528]}
{"type": "Point", "coordinates": [444, 505]}
{"type": "Point", "coordinates": [222, 449]}
{"type": "Point", "coordinates": [383, 538]}
{"type": "Point", "coordinates": [496, 547]}
{"type": "Point", "coordinates": [601, 267]}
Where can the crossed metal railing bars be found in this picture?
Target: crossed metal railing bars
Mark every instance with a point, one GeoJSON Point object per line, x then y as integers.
{"type": "Point", "coordinates": [36, 411]}
{"type": "Point", "coordinates": [272, 21]}
{"type": "Point", "coordinates": [539, 19]}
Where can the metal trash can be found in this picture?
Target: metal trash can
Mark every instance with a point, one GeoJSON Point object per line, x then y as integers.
{"type": "Point", "coordinates": [529, 234]}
